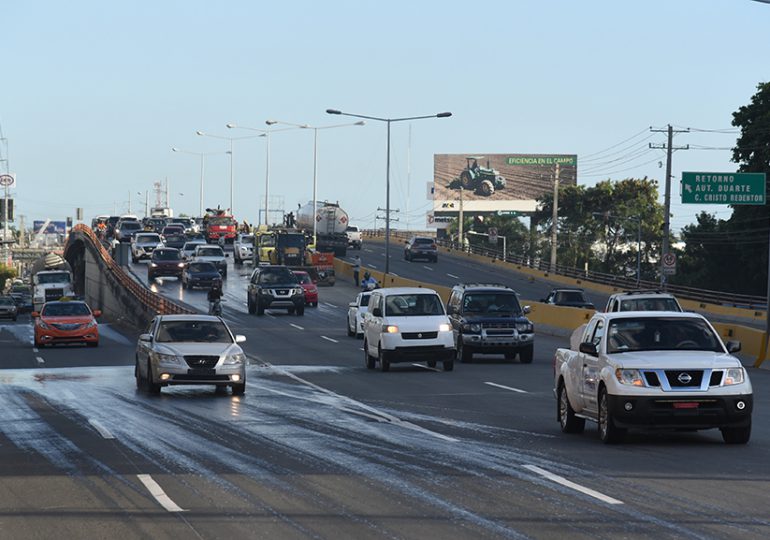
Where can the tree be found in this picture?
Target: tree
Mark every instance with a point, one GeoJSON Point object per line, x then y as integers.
{"type": "Point", "coordinates": [6, 273]}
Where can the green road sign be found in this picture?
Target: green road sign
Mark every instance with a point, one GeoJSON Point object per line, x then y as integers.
{"type": "Point", "coordinates": [507, 213]}
{"type": "Point", "coordinates": [723, 188]}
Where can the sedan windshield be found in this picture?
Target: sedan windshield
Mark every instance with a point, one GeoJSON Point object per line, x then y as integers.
{"type": "Point", "coordinates": [211, 252]}
{"type": "Point", "coordinates": [166, 255]}
{"type": "Point", "coordinates": [202, 267]}
{"type": "Point", "coordinates": [69, 309]}
{"type": "Point", "coordinates": [661, 334]}
{"type": "Point", "coordinates": [570, 297]}
{"type": "Point", "coordinates": [408, 305]}
{"type": "Point", "coordinates": [193, 331]}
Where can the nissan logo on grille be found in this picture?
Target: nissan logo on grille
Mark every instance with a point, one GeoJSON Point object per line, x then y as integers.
{"type": "Point", "coordinates": [684, 378]}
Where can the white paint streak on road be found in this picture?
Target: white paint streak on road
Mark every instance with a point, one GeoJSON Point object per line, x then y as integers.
{"type": "Point", "coordinates": [453, 276]}
{"type": "Point", "coordinates": [39, 360]}
{"type": "Point", "coordinates": [572, 485]}
{"type": "Point", "coordinates": [330, 305]}
{"type": "Point", "coordinates": [35, 350]}
{"type": "Point", "coordinates": [157, 492]}
{"type": "Point", "coordinates": [103, 431]}
{"type": "Point", "coordinates": [329, 339]}
{"type": "Point", "coordinates": [427, 267]}
{"type": "Point", "coordinates": [511, 388]}
{"type": "Point", "coordinates": [423, 366]}
{"type": "Point", "coordinates": [298, 327]}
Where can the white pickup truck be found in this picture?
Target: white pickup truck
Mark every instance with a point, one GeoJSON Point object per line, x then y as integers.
{"type": "Point", "coordinates": [651, 370]}
{"type": "Point", "coordinates": [354, 237]}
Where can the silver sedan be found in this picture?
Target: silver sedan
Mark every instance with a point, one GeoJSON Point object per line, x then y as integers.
{"type": "Point", "coordinates": [190, 349]}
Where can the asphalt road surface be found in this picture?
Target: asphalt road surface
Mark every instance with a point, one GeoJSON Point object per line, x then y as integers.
{"type": "Point", "coordinates": [320, 447]}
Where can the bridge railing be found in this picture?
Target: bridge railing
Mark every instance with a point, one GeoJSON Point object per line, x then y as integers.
{"type": "Point", "coordinates": [621, 282]}
{"type": "Point", "coordinates": [150, 300]}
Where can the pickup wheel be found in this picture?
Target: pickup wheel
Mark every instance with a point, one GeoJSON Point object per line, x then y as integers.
{"type": "Point", "coordinates": [369, 360]}
{"type": "Point", "coordinates": [464, 354]}
{"type": "Point", "coordinates": [609, 433]}
{"type": "Point", "coordinates": [738, 435]}
{"type": "Point", "coordinates": [527, 354]}
{"type": "Point", "coordinates": [567, 420]}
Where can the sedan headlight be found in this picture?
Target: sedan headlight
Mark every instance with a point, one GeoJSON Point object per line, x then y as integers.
{"type": "Point", "coordinates": [43, 325]}
{"type": "Point", "coordinates": [91, 324]}
{"type": "Point", "coordinates": [630, 377]}
{"type": "Point", "coordinates": [734, 376]}
{"type": "Point", "coordinates": [232, 359]}
{"type": "Point", "coordinates": [167, 358]}
{"type": "Point", "coordinates": [444, 327]}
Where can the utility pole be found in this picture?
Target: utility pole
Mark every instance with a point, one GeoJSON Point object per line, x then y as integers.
{"type": "Point", "coordinates": [669, 147]}
{"type": "Point", "coordinates": [461, 235]}
{"type": "Point", "coordinates": [555, 218]}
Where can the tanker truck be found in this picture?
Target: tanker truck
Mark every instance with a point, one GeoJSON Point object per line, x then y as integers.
{"type": "Point", "coordinates": [331, 223]}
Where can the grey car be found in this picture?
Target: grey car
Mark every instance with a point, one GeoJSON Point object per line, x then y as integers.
{"type": "Point", "coordinates": [8, 309]}
{"type": "Point", "coordinates": [189, 349]}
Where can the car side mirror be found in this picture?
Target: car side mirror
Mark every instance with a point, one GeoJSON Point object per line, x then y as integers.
{"type": "Point", "coordinates": [97, 313]}
{"type": "Point", "coordinates": [147, 338]}
{"type": "Point", "coordinates": [733, 346]}
{"type": "Point", "coordinates": [377, 312]}
{"type": "Point", "coordinates": [35, 314]}
{"type": "Point", "coordinates": [589, 348]}
{"type": "Point", "coordinates": [526, 309]}
{"type": "Point", "coordinates": [239, 338]}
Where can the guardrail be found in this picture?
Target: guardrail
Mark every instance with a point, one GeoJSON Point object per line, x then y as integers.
{"type": "Point", "coordinates": [150, 300]}
{"type": "Point", "coordinates": [620, 282]}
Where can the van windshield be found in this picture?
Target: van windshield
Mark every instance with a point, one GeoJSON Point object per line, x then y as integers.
{"type": "Point", "coordinates": [413, 305]}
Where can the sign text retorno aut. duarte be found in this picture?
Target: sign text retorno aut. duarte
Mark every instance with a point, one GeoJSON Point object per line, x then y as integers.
{"type": "Point", "coordinates": [723, 188]}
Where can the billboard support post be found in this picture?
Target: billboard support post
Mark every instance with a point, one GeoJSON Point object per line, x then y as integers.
{"type": "Point", "coordinates": [555, 218]}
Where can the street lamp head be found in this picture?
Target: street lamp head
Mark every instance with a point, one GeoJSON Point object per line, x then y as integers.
{"type": "Point", "coordinates": [231, 125]}
{"type": "Point", "coordinates": [360, 123]}
{"type": "Point", "coordinates": [199, 133]}
{"type": "Point", "coordinates": [271, 122]}
{"type": "Point", "coordinates": [175, 149]}
{"type": "Point", "coordinates": [333, 111]}
{"type": "Point", "coordinates": [444, 115]}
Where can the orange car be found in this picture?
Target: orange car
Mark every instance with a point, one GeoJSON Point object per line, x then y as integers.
{"type": "Point", "coordinates": [66, 322]}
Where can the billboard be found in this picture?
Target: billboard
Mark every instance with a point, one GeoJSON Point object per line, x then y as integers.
{"type": "Point", "coordinates": [497, 182]}
{"type": "Point", "coordinates": [51, 227]}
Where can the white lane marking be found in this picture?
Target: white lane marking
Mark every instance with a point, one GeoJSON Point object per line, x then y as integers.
{"type": "Point", "coordinates": [298, 327]}
{"type": "Point", "coordinates": [423, 366]}
{"type": "Point", "coordinates": [572, 485]}
{"type": "Point", "coordinates": [453, 276]}
{"type": "Point", "coordinates": [39, 360]}
{"type": "Point", "coordinates": [361, 348]}
{"type": "Point", "coordinates": [427, 267]}
{"type": "Point", "coordinates": [157, 492]}
{"type": "Point", "coordinates": [35, 350]}
{"type": "Point", "coordinates": [368, 250]}
{"type": "Point", "coordinates": [328, 304]}
{"type": "Point", "coordinates": [329, 339]}
{"type": "Point", "coordinates": [103, 431]}
{"type": "Point", "coordinates": [511, 388]}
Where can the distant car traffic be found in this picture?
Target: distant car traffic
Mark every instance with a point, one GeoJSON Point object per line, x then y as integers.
{"type": "Point", "coordinates": [243, 248]}
{"type": "Point", "coordinates": [274, 287]}
{"type": "Point", "coordinates": [125, 230]}
{"type": "Point", "coordinates": [143, 244]}
{"type": "Point", "coordinates": [199, 274]}
{"type": "Point", "coordinates": [8, 308]}
{"type": "Point", "coordinates": [212, 254]}
{"type": "Point", "coordinates": [175, 240]}
{"type": "Point", "coordinates": [354, 237]}
{"type": "Point", "coordinates": [189, 349]}
{"type": "Point", "coordinates": [421, 247]}
{"type": "Point", "coordinates": [642, 301]}
{"type": "Point", "coordinates": [568, 298]}
{"type": "Point", "coordinates": [70, 321]}
{"type": "Point", "coordinates": [309, 286]}
{"type": "Point", "coordinates": [188, 250]}
{"type": "Point", "coordinates": [165, 262]}
{"type": "Point", "coordinates": [356, 311]}
{"type": "Point", "coordinates": [407, 324]}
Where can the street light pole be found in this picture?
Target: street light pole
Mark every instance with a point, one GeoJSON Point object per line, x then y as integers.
{"type": "Point", "coordinates": [388, 121]}
{"type": "Point", "coordinates": [202, 156]}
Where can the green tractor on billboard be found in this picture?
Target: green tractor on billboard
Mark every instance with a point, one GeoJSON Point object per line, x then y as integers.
{"type": "Point", "coordinates": [483, 180]}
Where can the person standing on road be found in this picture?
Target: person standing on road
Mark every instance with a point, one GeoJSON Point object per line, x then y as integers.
{"type": "Point", "coordinates": [356, 269]}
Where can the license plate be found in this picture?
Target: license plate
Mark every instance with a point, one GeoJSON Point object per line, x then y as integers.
{"type": "Point", "coordinates": [202, 372]}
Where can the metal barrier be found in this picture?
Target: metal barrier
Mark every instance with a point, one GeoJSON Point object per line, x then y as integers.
{"type": "Point", "coordinates": [152, 301]}
{"type": "Point", "coordinates": [620, 282]}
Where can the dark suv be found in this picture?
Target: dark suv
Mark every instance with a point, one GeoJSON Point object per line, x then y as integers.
{"type": "Point", "coordinates": [421, 247]}
{"type": "Point", "coordinates": [165, 262]}
{"type": "Point", "coordinates": [487, 318]}
{"type": "Point", "coordinates": [275, 287]}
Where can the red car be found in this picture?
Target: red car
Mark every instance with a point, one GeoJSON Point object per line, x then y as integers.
{"type": "Point", "coordinates": [67, 321]}
{"type": "Point", "coordinates": [308, 285]}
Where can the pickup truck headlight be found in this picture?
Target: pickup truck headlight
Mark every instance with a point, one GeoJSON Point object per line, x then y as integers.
{"type": "Point", "coordinates": [298, 290]}
{"type": "Point", "coordinates": [734, 376]}
{"type": "Point", "coordinates": [630, 377]}
{"type": "Point", "coordinates": [167, 358]}
{"type": "Point", "coordinates": [524, 328]}
{"type": "Point", "coordinates": [233, 359]}
{"type": "Point", "coordinates": [474, 328]}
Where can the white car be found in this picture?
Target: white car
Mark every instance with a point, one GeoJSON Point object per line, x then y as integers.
{"type": "Point", "coordinates": [652, 370]}
{"type": "Point", "coordinates": [407, 324]}
{"type": "Point", "coordinates": [243, 248]}
{"type": "Point", "coordinates": [188, 250]}
{"type": "Point", "coordinates": [143, 244]}
{"type": "Point", "coordinates": [212, 254]}
{"type": "Point", "coordinates": [356, 311]}
{"type": "Point", "coordinates": [642, 301]}
{"type": "Point", "coordinates": [189, 349]}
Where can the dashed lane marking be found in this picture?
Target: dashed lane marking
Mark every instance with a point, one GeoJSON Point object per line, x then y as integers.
{"type": "Point", "coordinates": [298, 327]}
{"type": "Point", "coordinates": [453, 276]}
{"type": "Point", "coordinates": [511, 388]}
{"type": "Point", "coordinates": [423, 366]}
{"type": "Point", "coordinates": [329, 339]}
{"type": "Point", "coordinates": [39, 360]}
{"type": "Point", "coordinates": [427, 267]}
{"type": "Point", "coordinates": [157, 492]}
{"type": "Point", "coordinates": [328, 304]}
{"type": "Point", "coordinates": [572, 485]}
{"type": "Point", "coordinates": [35, 350]}
{"type": "Point", "coordinates": [103, 431]}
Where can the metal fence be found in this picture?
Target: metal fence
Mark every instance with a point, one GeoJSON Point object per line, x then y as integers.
{"type": "Point", "coordinates": [621, 282]}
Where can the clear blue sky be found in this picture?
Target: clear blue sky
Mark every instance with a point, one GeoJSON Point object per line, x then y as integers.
{"type": "Point", "coordinates": [95, 94]}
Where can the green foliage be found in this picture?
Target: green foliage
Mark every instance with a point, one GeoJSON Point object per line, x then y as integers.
{"type": "Point", "coordinates": [515, 232]}
{"type": "Point", "coordinates": [6, 273]}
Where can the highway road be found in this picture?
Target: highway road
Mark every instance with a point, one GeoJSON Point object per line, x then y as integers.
{"type": "Point", "coordinates": [320, 447]}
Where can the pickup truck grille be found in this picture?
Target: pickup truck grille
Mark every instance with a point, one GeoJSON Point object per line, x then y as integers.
{"type": "Point", "coordinates": [684, 379]}
{"type": "Point", "coordinates": [419, 335]}
{"type": "Point", "coordinates": [506, 324]}
{"type": "Point", "coordinates": [201, 361]}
